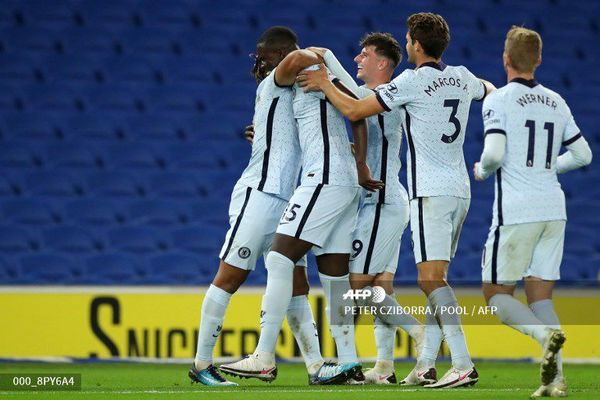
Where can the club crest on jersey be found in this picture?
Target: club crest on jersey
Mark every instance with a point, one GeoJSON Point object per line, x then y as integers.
{"type": "Point", "coordinates": [487, 114]}
{"type": "Point", "coordinates": [244, 252]}
{"type": "Point", "coordinates": [392, 88]}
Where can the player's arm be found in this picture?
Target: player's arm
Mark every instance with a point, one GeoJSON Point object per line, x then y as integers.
{"type": "Point", "coordinates": [489, 87]}
{"type": "Point", "coordinates": [360, 135]}
{"type": "Point", "coordinates": [296, 61]}
{"type": "Point", "coordinates": [578, 154]}
{"type": "Point", "coordinates": [352, 108]}
{"type": "Point", "coordinates": [492, 157]}
{"type": "Point", "coordinates": [494, 149]}
{"type": "Point", "coordinates": [337, 69]}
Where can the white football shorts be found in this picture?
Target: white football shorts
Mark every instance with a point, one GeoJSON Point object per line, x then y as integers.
{"type": "Point", "coordinates": [323, 215]}
{"type": "Point", "coordinates": [376, 238]}
{"type": "Point", "coordinates": [435, 224]}
{"type": "Point", "coordinates": [513, 252]}
{"type": "Point", "coordinates": [253, 219]}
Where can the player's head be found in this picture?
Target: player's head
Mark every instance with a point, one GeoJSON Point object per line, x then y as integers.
{"type": "Point", "coordinates": [522, 50]}
{"type": "Point", "coordinates": [428, 35]}
{"type": "Point", "coordinates": [272, 47]}
{"type": "Point", "coordinates": [380, 53]}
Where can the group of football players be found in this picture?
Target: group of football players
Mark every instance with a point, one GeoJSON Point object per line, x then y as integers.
{"type": "Point", "coordinates": [350, 208]}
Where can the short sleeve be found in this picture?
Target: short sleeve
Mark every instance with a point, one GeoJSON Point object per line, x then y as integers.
{"type": "Point", "coordinates": [572, 132]}
{"type": "Point", "coordinates": [396, 93]}
{"type": "Point", "coordinates": [494, 118]}
{"type": "Point", "coordinates": [476, 88]}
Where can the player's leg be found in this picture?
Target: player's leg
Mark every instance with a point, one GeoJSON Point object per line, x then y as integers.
{"type": "Point", "coordinates": [333, 273]}
{"type": "Point", "coordinates": [302, 226]}
{"type": "Point", "coordinates": [438, 221]}
{"type": "Point", "coordinates": [301, 320]}
{"type": "Point", "coordinates": [507, 256]}
{"type": "Point", "coordinates": [249, 219]}
{"type": "Point", "coordinates": [539, 283]}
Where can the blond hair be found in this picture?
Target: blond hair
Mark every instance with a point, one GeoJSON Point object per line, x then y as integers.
{"type": "Point", "coordinates": [524, 48]}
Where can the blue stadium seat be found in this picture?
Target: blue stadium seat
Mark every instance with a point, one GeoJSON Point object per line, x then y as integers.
{"type": "Point", "coordinates": [113, 269]}
{"type": "Point", "coordinates": [30, 41]}
{"type": "Point", "coordinates": [135, 156]}
{"type": "Point", "coordinates": [118, 184]}
{"type": "Point", "coordinates": [177, 268]}
{"type": "Point", "coordinates": [156, 127]}
{"type": "Point", "coordinates": [200, 238]}
{"type": "Point", "coordinates": [72, 239]}
{"type": "Point", "coordinates": [156, 212]}
{"type": "Point", "coordinates": [53, 15]}
{"type": "Point", "coordinates": [134, 70]}
{"type": "Point", "coordinates": [15, 239]}
{"type": "Point", "coordinates": [95, 212]}
{"type": "Point", "coordinates": [19, 155]}
{"type": "Point", "coordinates": [138, 239]}
{"type": "Point", "coordinates": [18, 71]}
{"type": "Point", "coordinates": [176, 185]}
{"type": "Point", "coordinates": [91, 43]}
{"type": "Point", "coordinates": [30, 211]}
{"type": "Point", "coordinates": [93, 128]}
{"type": "Point", "coordinates": [113, 15]}
{"type": "Point", "coordinates": [73, 155]}
{"type": "Point", "coordinates": [148, 41]}
{"type": "Point", "coordinates": [116, 100]}
{"type": "Point", "coordinates": [185, 70]}
{"type": "Point", "coordinates": [197, 156]}
{"type": "Point", "coordinates": [35, 126]}
{"type": "Point", "coordinates": [86, 72]}
{"type": "Point", "coordinates": [54, 183]}
{"type": "Point", "coordinates": [9, 273]}
{"type": "Point", "coordinates": [48, 268]}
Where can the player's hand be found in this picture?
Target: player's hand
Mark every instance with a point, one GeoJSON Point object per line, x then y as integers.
{"type": "Point", "coordinates": [365, 179]}
{"type": "Point", "coordinates": [475, 175]}
{"type": "Point", "coordinates": [311, 81]}
{"type": "Point", "coordinates": [249, 133]}
{"type": "Point", "coordinates": [319, 51]}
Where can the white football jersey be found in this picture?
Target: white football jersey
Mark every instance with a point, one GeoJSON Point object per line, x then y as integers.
{"type": "Point", "coordinates": [436, 98]}
{"type": "Point", "coordinates": [326, 154]}
{"type": "Point", "coordinates": [274, 165]}
{"type": "Point", "coordinates": [383, 154]}
{"type": "Point", "coordinates": [536, 122]}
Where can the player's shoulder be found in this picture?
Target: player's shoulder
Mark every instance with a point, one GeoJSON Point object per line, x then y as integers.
{"type": "Point", "coordinates": [498, 96]}
{"type": "Point", "coordinates": [554, 94]}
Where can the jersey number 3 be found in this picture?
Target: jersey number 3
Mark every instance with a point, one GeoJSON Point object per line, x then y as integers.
{"type": "Point", "coordinates": [454, 104]}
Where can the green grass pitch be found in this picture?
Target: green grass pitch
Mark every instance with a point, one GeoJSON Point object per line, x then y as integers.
{"type": "Point", "coordinates": [149, 381]}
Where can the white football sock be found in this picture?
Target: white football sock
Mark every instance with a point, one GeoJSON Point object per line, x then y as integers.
{"type": "Point", "coordinates": [301, 321]}
{"type": "Point", "coordinates": [451, 327]}
{"type": "Point", "coordinates": [544, 311]}
{"type": "Point", "coordinates": [341, 324]}
{"type": "Point", "coordinates": [518, 316]}
{"type": "Point", "coordinates": [214, 306]}
{"type": "Point", "coordinates": [433, 340]}
{"type": "Point", "coordinates": [278, 294]}
{"type": "Point", "coordinates": [405, 321]}
{"type": "Point", "coordinates": [385, 336]}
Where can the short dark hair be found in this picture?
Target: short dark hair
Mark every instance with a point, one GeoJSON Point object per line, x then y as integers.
{"type": "Point", "coordinates": [280, 37]}
{"type": "Point", "coordinates": [431, 30]}
{"type": "Point", "coordinates": [385, 45]}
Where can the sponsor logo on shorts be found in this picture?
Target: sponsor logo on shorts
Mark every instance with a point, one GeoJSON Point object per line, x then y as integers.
{"type": "Point", "coordinates": [244, 252]}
